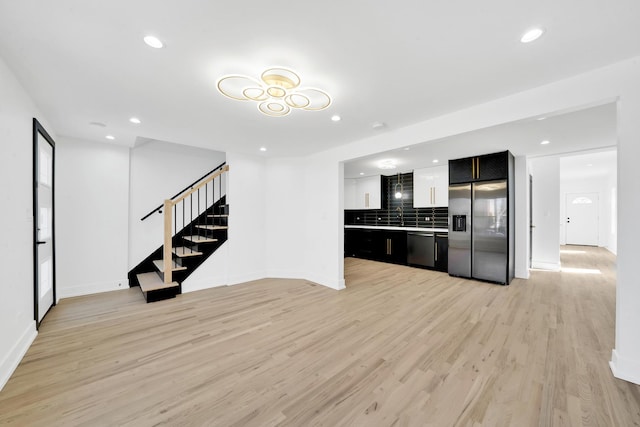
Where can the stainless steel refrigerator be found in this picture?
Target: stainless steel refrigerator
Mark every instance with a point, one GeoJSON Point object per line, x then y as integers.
{"type": "Point", "coordinates": [479, 231]}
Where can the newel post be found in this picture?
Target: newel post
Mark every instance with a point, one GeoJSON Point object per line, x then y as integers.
{"type": "Point", "coordinates": [167, 248]}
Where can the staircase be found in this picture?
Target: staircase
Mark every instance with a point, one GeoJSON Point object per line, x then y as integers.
{"type": "Point", "coordinates": [195, 226]}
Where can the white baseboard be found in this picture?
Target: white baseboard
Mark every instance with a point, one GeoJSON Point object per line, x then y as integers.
{"type": "Point", "coordinates": [17, 352]}
{"type": "Point", "coordinates": [92, 288]}
{"type": "Point", "coordinates": [625, 369]}
{"type": "Point", "coordinates": [201, 285]}
{"type": "Point", "coordinates": [285, 274]}
{"type": "Point", "coordinates": [552, 266]}
{"type": "Point", "coordinates": [612, 250]}
{"type": "Point", "coordinates": [337, 284]}
{"type": "Point", "coordinates": [248, 277]}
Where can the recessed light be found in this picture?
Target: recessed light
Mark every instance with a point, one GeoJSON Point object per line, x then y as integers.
{"type": "Point", "coordinates": [154, 42]}
{"type": "Point", "coordinates": [135, 120]}
{"type": "Point", "coordinates": [378, 125]}
{"type": "Point", "coordinates": [361, 173]}
{"type": "Point", "coordinates": [545, 142]}
{"type": "Point", "coordinates": [435, 160]}
{"type": "Point", "coordinates": [98, 124]}
{"type": "Point", "coordinates": [531, 35]}
{"type": "Point", "coordinates": [541, 118]}
{"type": "Point", "coordinates": [110, 137]}
{"type": "Point", "coordinates": [263, 148]}
{"type": "Point", "coordinates": [336, 118]}
{"type": "Point", "coordinates": [589, 164]}
{"type": "Point", "coordinates": [407, 148]}
{"type": "Point", "coordinates": [387, 164]}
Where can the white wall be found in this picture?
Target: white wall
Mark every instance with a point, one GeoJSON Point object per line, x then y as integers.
{"type": "Point", "coordinates": [286, 195]}
{"type": "Point", "coordinates": [265, 203]}
{"type": "Point", "coordinates": [522, 248]}
{"type": "Point", "coordinates": [599, 185]}
{"type": "Point", "coordinates": [546, 213]}
{"type": "Point", "coordinates": [625, 360]}
{"type": "Point", "coordinates": [612, 201]}
{"type": "Point", "coordinates": [158, 171]}
{"type": "Point", "coordinates": [324, 220]}
{"type": "Point", "coordinates": [17, 325]}
{"type": "Point", "coordinates": [244, 256]}
{"type": "Point", "coordinates": [92, 184]}
{"type": "Point", "coordinates": [247, 217]}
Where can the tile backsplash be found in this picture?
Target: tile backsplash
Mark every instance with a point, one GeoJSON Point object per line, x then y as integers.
{"type": "Point", "coordinates": [398, 212]}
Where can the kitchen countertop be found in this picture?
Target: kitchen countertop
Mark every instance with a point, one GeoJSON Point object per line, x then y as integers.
{"type": "Point", "coordinates": [389, 227]}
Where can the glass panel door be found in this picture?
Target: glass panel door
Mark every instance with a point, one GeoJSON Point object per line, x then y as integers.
{"type": "Point", "coordinates": [44, 223]}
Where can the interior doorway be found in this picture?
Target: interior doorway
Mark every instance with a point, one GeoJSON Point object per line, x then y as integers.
{"type": "Point", "coordinates": [44, 265]}
{"type": "Point", "coordinates": [581, 219]}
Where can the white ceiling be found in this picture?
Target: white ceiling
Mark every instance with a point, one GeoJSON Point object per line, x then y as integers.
{"type": "Point", "coordinates": [593, 164]}
{"type": "Point", "coordinates": [568, 134]}
{"type": "Point", "coordinates": [393, 62]}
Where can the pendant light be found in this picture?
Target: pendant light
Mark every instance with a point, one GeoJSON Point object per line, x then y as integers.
{"type": "Point", "coordinates": [396, 190]}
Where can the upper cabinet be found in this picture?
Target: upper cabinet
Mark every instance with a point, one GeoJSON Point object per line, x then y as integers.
{"type": "Point", "coordinates": [363, 193]}
{"type": "Point", "coordinates": [480, 168]}
{"type": "Point", "coordinates": [431, 187]}
{"type": "Point", "coordinates": [349, 193]}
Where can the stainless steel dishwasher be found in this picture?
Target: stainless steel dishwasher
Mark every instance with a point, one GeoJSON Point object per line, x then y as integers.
{"type": "Point", "coordinates": [421, 249]}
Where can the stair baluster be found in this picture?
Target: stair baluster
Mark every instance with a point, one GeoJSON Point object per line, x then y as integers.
{"type": "Point", "coordinates": [169, 232]}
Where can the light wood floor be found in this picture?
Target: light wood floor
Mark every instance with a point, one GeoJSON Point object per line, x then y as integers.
{"type": "Point", "coordinates": [400, 346]}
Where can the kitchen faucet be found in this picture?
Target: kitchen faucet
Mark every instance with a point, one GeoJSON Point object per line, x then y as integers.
{"type": "Point", "coordinates": [401, 210]}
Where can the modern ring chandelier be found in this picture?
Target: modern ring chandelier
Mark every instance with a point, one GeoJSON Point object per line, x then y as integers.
{"type": "Point", "coordinates": [277, 92]}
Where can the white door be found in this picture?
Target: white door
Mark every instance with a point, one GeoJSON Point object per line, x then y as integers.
{"type": "Point", "coordinates": [43, 218]}
{"type": "Point", "coordinates": [582, 219]}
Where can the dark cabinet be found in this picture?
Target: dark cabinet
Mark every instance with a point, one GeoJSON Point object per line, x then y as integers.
{"type": "Point", "coordinates": [480, 168]}
{"type": "Point", "coordinates": [393, 247]}
{"type": "Point", "coordinates": [493, 166]}
{"type": "Point", "coordinates": [350, 242]}
{"type": "Point", "coordinates": [442, 253]}
{"type": "Point", "coordinates": [461, 170]}
{"type": "Point", "coordinates": [363, 243]}
{"type": "Point", "coordinates": [377, 245]}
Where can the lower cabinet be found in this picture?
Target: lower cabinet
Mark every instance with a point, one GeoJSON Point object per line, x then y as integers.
{"type": "Point", "coordinates": [391, 246]}
{"type": "Point", "coordinates": [442, 252]}
{"type": "Point", "coordinates": [377, 245]}
{"type": "Point", "coordinates": [362, 243]}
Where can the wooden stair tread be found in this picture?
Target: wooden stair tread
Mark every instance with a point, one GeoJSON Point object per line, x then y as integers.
{"type": "Point", "coordinates": [212, 227]}
{"type": "Point", "coordinates": [183, 251]}
{"type": "Point", "coordinates": [152, 282]}
{"type": "Point", "coordinates": [174, 267]}
{"type": "Point", "coordinates": [199, 239]}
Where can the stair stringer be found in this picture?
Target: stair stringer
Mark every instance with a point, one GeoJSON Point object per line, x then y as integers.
{"type": "Point", "coordinates": [147, 265]}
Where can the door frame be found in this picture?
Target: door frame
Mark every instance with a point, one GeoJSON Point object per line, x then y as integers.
{"type": "Point", "coordinates": [38, 129]}
{"type": "Point", "coordinates": [531, 225]}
